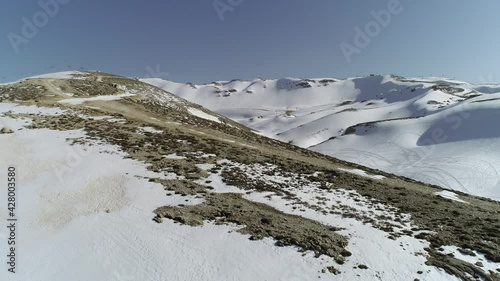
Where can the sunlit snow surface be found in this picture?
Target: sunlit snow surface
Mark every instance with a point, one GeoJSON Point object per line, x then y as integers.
{"type": "Point", "coordinates": [201, 114]}
{"type": "Point", "coordinates": [435, 130]}
{"type": "Point", "coordinates": [450, 195]}
{"type": "Point", "coordinates": [363, 173]}
{"type": "Point", "coordinates": [85, 213]}
{"type": "Point", "coordinates": [76, 101]}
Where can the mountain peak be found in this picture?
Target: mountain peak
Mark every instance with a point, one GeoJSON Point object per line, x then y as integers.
{"type": "Point", "coordinates": [117, 165]}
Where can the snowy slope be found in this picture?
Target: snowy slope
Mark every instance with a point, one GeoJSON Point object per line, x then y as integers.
{"type": "Point", "coordinates": [90, 214]}
{"type": "Point", "coordinates": [120, 181]}
{"type": "Point", "coordinates": [435, 130]}
{"type": "Point", "coordinates": [90, 219]}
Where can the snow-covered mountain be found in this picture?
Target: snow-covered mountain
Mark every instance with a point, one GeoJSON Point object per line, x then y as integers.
{"type": "Point", "coordinates": [118, 180]}
{"type": "Point", "coordinates": [434, 130]}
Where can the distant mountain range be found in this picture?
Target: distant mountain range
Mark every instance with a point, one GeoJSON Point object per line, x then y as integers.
{"type": "Point", "coordinates": [435, 130]}
{"type": "Point", "coordinates": [119, 180]}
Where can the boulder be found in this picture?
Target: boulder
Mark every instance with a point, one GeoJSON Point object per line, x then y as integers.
{"type": "Point", "coordinates": [6, 130]}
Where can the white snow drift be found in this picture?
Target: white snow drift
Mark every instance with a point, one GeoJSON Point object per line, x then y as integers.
{"type": "Point", "coordinates": [436, 130]}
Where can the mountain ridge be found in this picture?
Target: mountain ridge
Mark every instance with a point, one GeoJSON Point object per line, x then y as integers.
{"type": "Point", "coordinates": [169, 186]}
{"type": "Point", "coordinates": [419, 113]}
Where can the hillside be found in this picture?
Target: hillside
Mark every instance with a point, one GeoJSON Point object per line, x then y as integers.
{"type": "Point", "coordinates": [434, 130]}
{"type": "Point", "coordinates": [120, 180]}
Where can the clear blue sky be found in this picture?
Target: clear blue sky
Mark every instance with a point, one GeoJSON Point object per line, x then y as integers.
{"type": "Point", "coordinates": [256, 38]}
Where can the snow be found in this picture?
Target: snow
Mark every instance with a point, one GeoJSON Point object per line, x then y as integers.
{"type": "Point", "coordinates": [362, 173]}
{"type": "Point", "coordinates": [198, 154]}
{"type": "Point", "coordinates": [107, 214]}
{"type": "Point", "coordinates": [59, 75]}
{"type": "Point", "coordinates": [450, 195]}
{"type": "Point", "coordinates": [473, 259]}
{"type": "Point", "coordinates": [100, 227]}
{"type": "Point", "coordinates": [76, 101]}
{"type": "Point", "coordinates": [386, 259]}
{"type": "Point", "coordinates": [439, 136]}
{"type": "Point", "coordinates": [174, 156]}
{"type": "Point", "coordinates": [201, 114]}
{"type": "Point", "coordinates": [215, 180]}
{"type": "Point", "coordinates": [150, 130]}
{"type": "Point", "coordinates": [30, 109]}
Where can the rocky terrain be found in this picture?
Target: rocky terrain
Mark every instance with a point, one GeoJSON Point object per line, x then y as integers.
{"type": "Point", "coordinates": [436, 130]}
{"type": "Point", "coordinates": [204, 172]}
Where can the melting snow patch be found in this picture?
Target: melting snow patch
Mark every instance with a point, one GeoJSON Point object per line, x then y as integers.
{"type": "Point", "coordinates": [218, 186]}
{"type": "Point", "coordinates": [201, 154]}
{"type": "Point", "coordinates": [450, 195]}
{"type": "Point", "coordinates": [362, 173]}
{"type": "Point", "coordinates": [118, 207]}
{"type": "Point", "coordinates": [117, 120]}
{"type": "Point", "coordinates": [366, 241]}
{"type": "Point", "coordinates": [369, 246]}
{"type": "Point", "coordinates": [205, 166]}
{"type": "Point", "coordinates": [226, 140]}
{"type": "Point", "coordinates": [32, 109]}
{"type": "Point", "coordinates": [174, 156]}
{"type": "Point", "coordinates": [60, 75]}
{"type": "Point", "coordinates": [150, 130]}
{"type": "Point", "coordinates": [101, 98]}
{"type": "Point", "coordinates": [472, 257]}
{"type": "Point", "coordinates": [104, 118]}
{"type": "Point", "coordinates": [201, 114]}
{"type": "Point", "coordinates": [250, 146]}
{"type": "Point", "coordinates": [198, 154]}
{"type": "Point", "coordinates": [215, 180]}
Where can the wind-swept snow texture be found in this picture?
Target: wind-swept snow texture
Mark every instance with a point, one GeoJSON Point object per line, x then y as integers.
{"type": "Point", "coordinates": [87, 212]}
{"type": "Point", "coordinates": [435, 130]}
{"type": "Point", "coordinates": [122, 188]}
{"type": "Point", "coordinates": [89, 218]}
